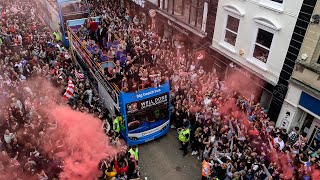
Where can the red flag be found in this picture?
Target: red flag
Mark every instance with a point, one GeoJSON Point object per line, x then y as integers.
{"type": "Point", "coordinates": [79, 75]}
{"type": "Point", "coordinates": [200, 55]}
{"type": "Point", "coordinates": [70, 90]}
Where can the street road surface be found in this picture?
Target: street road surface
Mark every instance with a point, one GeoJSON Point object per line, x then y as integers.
{"type": "Point", "coordinates": [161, 159]}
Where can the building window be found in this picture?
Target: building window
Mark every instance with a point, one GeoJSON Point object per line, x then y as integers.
{"type": "Point", "coordinates": [231, 30]}
{"type": "Point", "coordinates": [178, 7]}
{"type": "Point", "coordinates": [278, 1]}
{"type": "Point", "coordinates": [188, 11]}
{"type": "Point", "coordinates": [262, 45]}
{"type": "Point", "coordinates": [274, 5]}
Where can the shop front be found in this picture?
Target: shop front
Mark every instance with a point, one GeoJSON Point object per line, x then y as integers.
{"type": "Point", "coordinates": [250, 85]}
{"type": "Point", "coordinates": [301, 109]}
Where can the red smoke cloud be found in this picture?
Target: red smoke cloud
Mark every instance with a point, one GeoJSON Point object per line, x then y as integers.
{"type": "Point", "coordinates": [243, 84]}
{"type": "Point", "coordinates": [71, 137]}
{"type": "Point", "coordinates": [84, 142]}
{"type": "Point", "coordinates": [282, 161]}
{"type": "Point", "coordinates": [315, 173]}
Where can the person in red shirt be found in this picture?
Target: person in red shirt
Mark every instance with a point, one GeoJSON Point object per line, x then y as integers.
{"type": "Point", "coordinates": [93, 27]}
{"type": "Point", "coordinates": [12, 29]}
{"type": "Point", "coordinates": [121, 167]}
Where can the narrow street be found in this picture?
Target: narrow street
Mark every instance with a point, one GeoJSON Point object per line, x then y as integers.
{"type": "Point", "coordinates": [162, 159]}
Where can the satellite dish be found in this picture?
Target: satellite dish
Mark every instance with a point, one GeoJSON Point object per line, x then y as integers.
{"type": "Point", "coordinates": [315, 19]}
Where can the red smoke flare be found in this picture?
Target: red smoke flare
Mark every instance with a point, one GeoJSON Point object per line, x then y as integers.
{"type": "Point", "coordinates": [85, 143]}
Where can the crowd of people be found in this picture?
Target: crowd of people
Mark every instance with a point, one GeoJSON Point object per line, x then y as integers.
{"type": "Point", "coordinates": [31, 58]}
{"type": "Point", "coordinates": [128, 43]}
{"type": "Point", "coordinates": [229, 132]}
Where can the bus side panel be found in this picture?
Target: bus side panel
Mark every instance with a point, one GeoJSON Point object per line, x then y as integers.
{"type": "Point", "coordinates": [150, 134]}
{"type": "Point", "coordinates": [108, 102]}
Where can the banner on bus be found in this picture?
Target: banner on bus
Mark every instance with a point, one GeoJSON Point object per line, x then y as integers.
{"type": "Point", "coordinates": [147, 103]}
{"type": "Point", "coordinates": [144, 99]}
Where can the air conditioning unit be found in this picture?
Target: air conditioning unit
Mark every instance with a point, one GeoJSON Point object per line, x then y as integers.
{"type": "Point", "coordinates": [315, 19]}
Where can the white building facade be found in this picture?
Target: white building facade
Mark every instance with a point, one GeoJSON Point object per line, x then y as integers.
{"type": "Point", "coordinates": [256, 33]}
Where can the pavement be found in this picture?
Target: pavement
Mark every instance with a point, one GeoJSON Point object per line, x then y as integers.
{"type": "Point", "coordinates": [161, 159]}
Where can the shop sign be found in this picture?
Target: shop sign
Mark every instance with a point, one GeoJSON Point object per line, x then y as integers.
{"type": "Point", "coordinates": [177, 28]}
{"type": "Point", "coordinates": [200, 55]}
{"type": "Point", "coordinates": [139, 2]}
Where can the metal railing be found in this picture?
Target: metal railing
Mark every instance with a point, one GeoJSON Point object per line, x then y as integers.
{"type": "Point", "coordinates": [95, 67]}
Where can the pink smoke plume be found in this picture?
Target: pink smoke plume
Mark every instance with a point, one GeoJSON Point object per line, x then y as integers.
{"type": "Point", "coordinates": [315, 173]}
{"type": "Point", "coordinates": [283, 162]}
{"type": "Point", "coordinates": [82, 142]}
{"type": "Point", "coordinates": [71, 137]}
{"type": "Point", "coordinates": [246, 86]}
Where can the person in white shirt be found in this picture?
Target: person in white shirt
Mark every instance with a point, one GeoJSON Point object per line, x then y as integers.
{"type": "Point", "coordinates": [279, 141]}
{"type": "Point", "coordinates": [19, 39]}
{"type": "Point", "coordinates": [8, 136]}
{"type": "Point", "coordinates": [192, 66]}
{"type": "Point", "coordinates": [17, 104]}
{"type": "Point", "coordinates": [42, 176]}
{"type": "Point", "coordinates": [22, 78]}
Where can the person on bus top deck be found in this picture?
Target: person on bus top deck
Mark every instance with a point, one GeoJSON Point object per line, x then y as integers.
{"type": "Point", "coordinates": [102, 31]}
{"type": "Point", "coordinates": [93, 27]}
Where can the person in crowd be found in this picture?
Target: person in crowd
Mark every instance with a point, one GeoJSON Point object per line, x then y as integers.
{"type": "Point", "coordinates": [30, 51]}
{"type": "Point", "coordinates": [206, 169]}
{"type": "Point", "coordinates": [116, 125]}
{"type": "Point", "coordinates": [133, 168]}
{"type": "Point", "coordinates": [293, 136]}
{"type": "Point", "coordinates": [184, 136]}
{"type": "Point", "coordinates": [121, 167]}
{"type": "Point", "coordinates": [135, 152]}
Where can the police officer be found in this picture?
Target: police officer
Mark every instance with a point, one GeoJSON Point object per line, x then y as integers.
{"type": "Point", "coordinates": [135, 152]}
{"type": "Point", "coordinates": [116, 125]}
{"type": "Point", "coordinates": [184, 137]}
{"type": "Point", "coordinates": [56, 35]}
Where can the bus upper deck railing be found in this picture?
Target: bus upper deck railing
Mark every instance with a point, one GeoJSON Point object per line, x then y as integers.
{"type": "Point", "coordinates": [97, 66]}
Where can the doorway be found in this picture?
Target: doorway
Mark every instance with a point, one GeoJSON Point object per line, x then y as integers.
{"type": "Point", "coordinates": [307, 122]}
{"type": "Point", "coordinates": [265, 99]}
{"type": "Point", "coordinates": [314, 135]}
